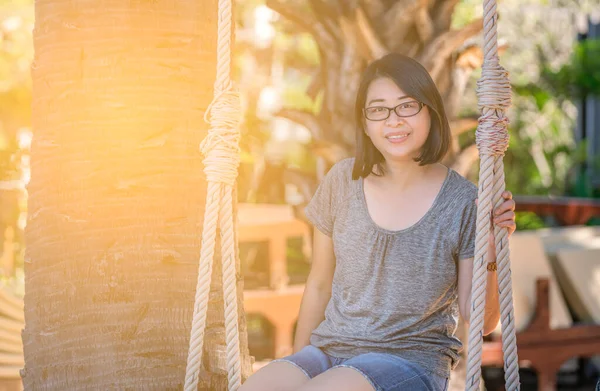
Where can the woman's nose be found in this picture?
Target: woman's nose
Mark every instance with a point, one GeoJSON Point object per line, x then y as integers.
{"type": "Point", "coordinates": [394, 119]}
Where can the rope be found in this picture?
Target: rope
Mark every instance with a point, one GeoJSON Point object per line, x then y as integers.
{"type": "Point", "coordinates": [222, 158]}
{"type": "Point", "coordinates": [494, 95]}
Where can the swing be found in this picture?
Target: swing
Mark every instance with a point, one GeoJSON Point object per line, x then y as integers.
{"type": "Point", "coordinates": [222, 158]}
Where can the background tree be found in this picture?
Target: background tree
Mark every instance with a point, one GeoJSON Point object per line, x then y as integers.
{"type": "Point", "coordinates": [542, 128]}
{"type": "Point", "coordinates": [351, 34]}
{"type": "Point", "coordinates": [117, 195]}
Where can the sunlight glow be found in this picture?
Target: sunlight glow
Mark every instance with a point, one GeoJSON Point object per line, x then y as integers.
{"type": "Point", "coordinates": [268, 101]}
{"type": "Point", "coordinates": [24, 138]}
{"type": "Point", "coordinates": [281, 133]}
{"type": "Point", "coordinates": [12, 23]}
{"type": "Point", "coordinates": [264, 31]}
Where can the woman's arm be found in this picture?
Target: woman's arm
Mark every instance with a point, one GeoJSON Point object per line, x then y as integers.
{"type": "Point", "coordinates": [504, 217]}
{"type": "Point", "coordinates": [317, 291]}
{"type": "Point", "coordinates": [492, 305]}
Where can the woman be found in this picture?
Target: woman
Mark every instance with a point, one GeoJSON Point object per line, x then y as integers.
{"type": "Point", "coordinates": [393, 250]}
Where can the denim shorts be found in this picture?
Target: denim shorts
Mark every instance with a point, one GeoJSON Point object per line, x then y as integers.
{"type": "Point", "coordinates": [385, 372]}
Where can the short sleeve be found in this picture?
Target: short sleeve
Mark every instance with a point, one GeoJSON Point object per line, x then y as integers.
{"type": "Point", "coordinates": [320, 211]}
{"type": "Point", "coordinates": [466, 247]}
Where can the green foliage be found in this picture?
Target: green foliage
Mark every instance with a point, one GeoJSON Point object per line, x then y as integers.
{"type": "Point", "coordinates": [16, 54]}
{"type": "Point", "coordinates": [575, 79]}
{"type": "Point", "coordinates": [580, 76]}
{"type": "Point", "coordinates": [295, 97]}
{"type": "Point", "coordinates": [465, 12]}
{"type": "Point", "coordinates": [540, 95]}
{"type": "Point", "coordinates": [528, 221]}
{"type": "Point", "coordinates": [594, 221]}
{"type": "Point", "coordinates": [541, 149]}
{"type": "Point", "coordinates": [300, 52]}
{"type": "Point", "coordinates": [300, 49]}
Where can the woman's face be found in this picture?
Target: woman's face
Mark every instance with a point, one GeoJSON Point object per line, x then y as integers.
{"type": "Point", "coordinates": [398, 138]}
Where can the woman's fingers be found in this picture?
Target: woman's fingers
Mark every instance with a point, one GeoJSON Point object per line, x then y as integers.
{"type": "Point", "coordinates": [506, 206]}
{"type": "Point", "coordinates": [506, 216]}
{"type": "Point", "coordinates": [506, 220]}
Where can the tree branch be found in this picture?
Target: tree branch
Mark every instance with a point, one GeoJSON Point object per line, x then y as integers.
{"type": "Point", "coordinates": [370, 38]}
{"type": "Point", "coordinates": [443, 46]}
{"type": "Point", "coordinates": [472, 56]}
{"type": "Point", "coordinates": [462, 125]}
{"type": "Point", "coordinates": [373, 8]}
{"type": "Point", "coordinates": [423, 22]}
{"type": "Point", "coordinates": [443, 11]}
{"type": "Point", "coordinates": [304, 118]}
{"type": "Point", "coordinates": [429, 4]}
{"type": "Point", "coordinates": [399, 19]}
{"type": "Point", "coordinates": [347, 7]}
{"type": "Point", "coordinates": [348, 66]}
{"type": "Point", "coordinates": [323, 9]}
{"type": "Point", "coordinates": [331, 152]}
{"type": "Point", "coordinates": [292, 13]}
{"type": "Point", "coordinates": [456, 79]}
{"type": "Point", "coordinates": [300, 18]}
{"type": "Point", "coordinates": [465, 160]}
{"type": "Point", "coordinates": [456, 73]}
{"type": "Point", "coordinates": [327, 17]}
{"type": "Point", "coordinates": [316, 84]}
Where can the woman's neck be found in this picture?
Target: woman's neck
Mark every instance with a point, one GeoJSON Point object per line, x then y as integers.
{"type": "Point", "coordinates": [403, 175]}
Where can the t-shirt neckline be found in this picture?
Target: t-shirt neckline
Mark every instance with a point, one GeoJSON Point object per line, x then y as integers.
{"type": "Point", "coordinates": [377, 227]}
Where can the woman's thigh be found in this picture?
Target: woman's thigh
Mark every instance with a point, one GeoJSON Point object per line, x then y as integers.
{"type": "Point", "coordinates": [378, 372]}
{"type": "Point", "coordinates": [289, 373]}
{"type": "Point", "coordinates": [338, 378]}
{"type": "Point", "coordinates": [276, 376]}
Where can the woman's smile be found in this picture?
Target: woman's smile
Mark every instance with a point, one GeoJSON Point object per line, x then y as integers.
{"type": "Point", "coordinates": [397, 137]}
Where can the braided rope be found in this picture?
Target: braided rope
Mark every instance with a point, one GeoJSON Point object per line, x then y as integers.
{"type": "Point", "coordinates": [222, 158]}
{"type": "Point", "coordinates": [207, 253]}
{"type": "Point", "coordinates": [494, 96]}
{"type": "Point", "coordinates": [230, 293]}
{"type": "Point", "coordinates": [509, 336]}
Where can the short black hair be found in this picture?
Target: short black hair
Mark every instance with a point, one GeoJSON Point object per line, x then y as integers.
{"type": "Point", "coordinates": [413, 79]}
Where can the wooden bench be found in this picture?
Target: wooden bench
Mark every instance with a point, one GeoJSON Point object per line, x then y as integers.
{"type": "Point", "coordinates": [566, 210]}
{"type": "Point", "coordinates": [281, 309]}
{"type": "Point", "coordinates": [273, 224]}
{"type": "Point", "coordinates": [544, 348]}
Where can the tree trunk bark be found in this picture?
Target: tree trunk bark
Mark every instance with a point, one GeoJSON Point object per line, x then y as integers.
{"type": "Point", "coordinates": [117, 195]}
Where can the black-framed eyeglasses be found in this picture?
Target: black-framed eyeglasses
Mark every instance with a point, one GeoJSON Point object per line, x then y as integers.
{"type": "Point", "coordinates": [404, 109]}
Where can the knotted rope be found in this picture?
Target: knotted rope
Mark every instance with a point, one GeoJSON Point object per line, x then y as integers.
{"type": "Point", "coordinates": [222, 158]}
{"type": "Point", "coordinates": [494, 94]}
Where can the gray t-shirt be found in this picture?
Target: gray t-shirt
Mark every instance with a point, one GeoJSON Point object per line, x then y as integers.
{"type": "Point", "coordinates": [394, 291]}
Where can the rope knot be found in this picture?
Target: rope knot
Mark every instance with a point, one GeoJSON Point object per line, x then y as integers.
{"type": "Point", "coordinates": [221, 146]}
{"type": "Point", "coordinates": [494, 95]}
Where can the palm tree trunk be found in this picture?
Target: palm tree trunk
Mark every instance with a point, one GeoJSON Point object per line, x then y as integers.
{"type": "Point", "coordinates": [117, 195]}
